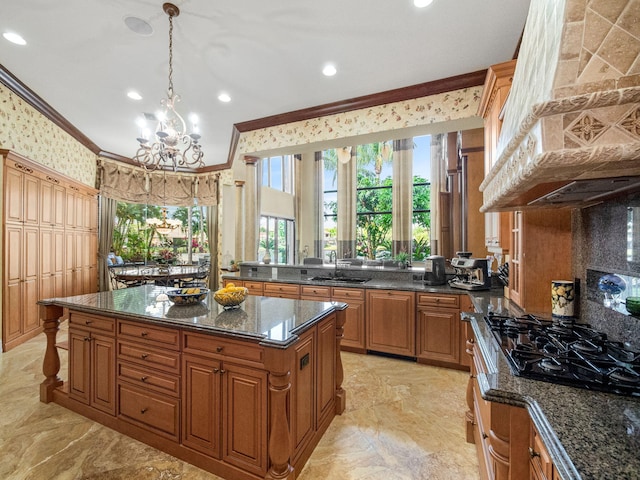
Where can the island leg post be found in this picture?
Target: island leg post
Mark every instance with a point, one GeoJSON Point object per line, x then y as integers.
{"type": "Point", "coordinates": [50, 314]}
{"type": "Point", "coordinates": [280, 428]}
{"type": "Point", "coordinates": [341, 395]}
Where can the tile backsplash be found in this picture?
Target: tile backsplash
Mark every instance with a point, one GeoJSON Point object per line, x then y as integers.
{"type": "Point", "coordinates": [601, 237]}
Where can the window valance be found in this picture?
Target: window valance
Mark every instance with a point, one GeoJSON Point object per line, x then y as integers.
{"type": "Point", "coordinates": [133, 184]}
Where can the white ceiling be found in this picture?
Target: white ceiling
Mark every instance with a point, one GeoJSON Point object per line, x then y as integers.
{"type": "Point", "coordinates": [268, 55]}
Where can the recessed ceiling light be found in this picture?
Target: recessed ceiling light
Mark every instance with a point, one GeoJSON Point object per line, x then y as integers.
{"type": "Point", "coordinates": [422, 3]}
{"type": "Point", "coordinates": [329, 70]}
{"type": "Point", "coordinates": [224, 97]}
{"type": "Point", "coordinates": [134, 95]}
{"type": "Point", "coordinates": [138, 25]}
{"type": "Point", "coordinates": [14, 38]}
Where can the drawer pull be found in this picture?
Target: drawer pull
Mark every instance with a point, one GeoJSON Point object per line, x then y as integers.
{"type": "Point", "coordinates": [88, 322]}
{"type": "Point", "coordinates": [143, 410]}
{"type": "Point", "coordinates": [533, 453]}
{"type": "Point", "coordinates": [222, 371]}
{"type": "Point", "coordinates": [143, 379]}
{"type": "Point", "coordinates": [219, 349]}
{"type": "Point", "coordinates": [87, 339]}
{"type": "Point", "coordinates": [144, 334]}
{"type": "Point", "coordinates": [144, 356]}
{"type": "Point", "coordinates": [216, 370]}
{"type": "Point", "coordinates": [484, 436]}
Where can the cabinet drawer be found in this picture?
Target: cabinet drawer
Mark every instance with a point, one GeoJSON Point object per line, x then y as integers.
{"type": "Point", "coordinates": [166, 337]}
{"type": "Point", "coordinates": [314, 291]}
{"type": "Point", "coordinates": [149, 356]}
{"type": "Point", "coordinates": [159, 413]}
{"type": "Point", "coordinates": [275, 289]}
{"type": "Point", "coordinates": [347, 293]}
{"type": "Point", "coordinates": [92, 322]}
{"type": "Point", "coordinates": [211, 346]}
{"type": "Point", "coordinates": [148, 378]}
{"type": "Point", "coordinates": [255, 288]}
{"type": "Point", "coordinates": [446, 301]}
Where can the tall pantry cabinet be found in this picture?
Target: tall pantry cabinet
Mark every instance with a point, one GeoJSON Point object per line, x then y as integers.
{"type": "Point", "coordinates": [50, 241]}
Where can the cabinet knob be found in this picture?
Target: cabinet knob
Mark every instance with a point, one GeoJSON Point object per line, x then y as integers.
{"type": "Point", "coordinates": [87, 339]}
{"type": "Point", "coordinates": [533, 453]}
{"type": "Point", "coordinates": [88, 322]}
{"type": "Point", "coordinates": [484, 435]}
{"type": "Point", "coordinates": [144, 334]}
{"type": "Point", "coordinates": [216, 370]}
{"type": "Point", "coordinates": [144, 355]}
{"type": "Point", "coordinates": [144, 379]}
{"type": "Point", "coordinates": [219, 349]}
{"type": "Point", "coordinates": [223, 371]}
{"type": "Point", "coordinates": [143, 410]}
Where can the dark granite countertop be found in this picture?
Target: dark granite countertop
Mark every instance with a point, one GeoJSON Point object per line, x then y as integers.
{"type": "Point", "coordinates": [590, 435]}
{"type": "Point", "coordinates": [373, 283]}
{"type": "Point", "coordinates": [274, 322]}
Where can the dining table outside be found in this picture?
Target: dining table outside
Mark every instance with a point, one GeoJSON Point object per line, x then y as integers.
{"type": "Point", "coordinates": [167, 275]}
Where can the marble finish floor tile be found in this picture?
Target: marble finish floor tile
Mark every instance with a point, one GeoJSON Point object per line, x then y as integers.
{"type": "Point", "coordinates": [403, 421]}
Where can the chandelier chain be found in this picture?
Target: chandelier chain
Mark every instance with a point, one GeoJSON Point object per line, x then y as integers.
{"type": "Point", "coordinates": [170, 55]}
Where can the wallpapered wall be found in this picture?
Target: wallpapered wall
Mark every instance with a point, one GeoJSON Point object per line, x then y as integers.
{"type": "Point", "coordinates": [26, 131]}
{"type": "Point", "coordinates": [455, 105]}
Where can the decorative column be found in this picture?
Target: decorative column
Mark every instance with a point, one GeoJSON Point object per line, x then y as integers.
{"type": "Point", "coordinates": [402, 194]}
{"type": "Point", "coordinates": [240, 213]}
{"type": "Point", "coordinates": [252, 210]}
{"type": "Point", "coordinates": [347, 177]}
{"type": "Point", "coordinates": [318, 207]}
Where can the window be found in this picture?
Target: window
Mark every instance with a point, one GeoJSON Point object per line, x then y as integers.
{"type": "Point", "coordinates": [277, 173]}
{"type": "Point", "coordinates": [374, 201]}
{"type": "Point", "coordinates": [137, 237]}
{"type": "Point", "coordinates": [277, 239]}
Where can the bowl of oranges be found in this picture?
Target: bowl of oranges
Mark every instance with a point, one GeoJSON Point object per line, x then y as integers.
{"type": "Point", "coordinates": [230, 296]}
{"type": "Point", "coordinates": [187, 296]}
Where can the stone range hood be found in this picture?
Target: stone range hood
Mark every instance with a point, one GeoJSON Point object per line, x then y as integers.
{"type": "Point", "coordinates": [573, 112]}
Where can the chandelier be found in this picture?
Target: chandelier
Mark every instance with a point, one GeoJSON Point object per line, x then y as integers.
{"type": "Point", "coordinates": [166, 225]}
{"type": "Point", "coordinates": [172, 146]}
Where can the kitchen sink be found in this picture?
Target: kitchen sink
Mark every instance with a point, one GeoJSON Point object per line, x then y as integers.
{"type": "Point", "coordinates": [341, 279]}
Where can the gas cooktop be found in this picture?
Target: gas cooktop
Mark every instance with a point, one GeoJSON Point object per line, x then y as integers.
{"type": "Point", "coordinates": [565, 352]}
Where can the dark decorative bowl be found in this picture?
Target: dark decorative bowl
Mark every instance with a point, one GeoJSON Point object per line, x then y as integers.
{"type": "Point", "coordinates": [187, 296]}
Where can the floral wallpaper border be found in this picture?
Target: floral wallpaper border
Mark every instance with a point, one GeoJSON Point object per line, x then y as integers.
{"type": "Point", "coordinates": [26, 131]}
{"type": "Point", "coordinates": [454, 105]}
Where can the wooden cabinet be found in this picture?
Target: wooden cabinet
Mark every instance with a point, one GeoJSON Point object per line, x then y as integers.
{"type": "Point", "coordinates": [224, 411]}
{"type": "Point", "coordinates": [254, 287]}
{"type": "Point", "coordinates": [496, 89]}
{"type": "Point", "coordinates": [354, 339]}
{"type": "Point", "coordinates": [438, 328]}
{"type": "Point", "coordinates": [92, 361]}
{"type": "Point", "coordinates": [499, 431]}
{"type": "Point", "coordinates": [390, 322]}
{"type": "Point", "coordinates": [540, 464]}
{"type": "Point", "coordinates": [21, 288]}
{"type": "Point", "coordinates": [149, 377]}
{"type": "Point", "coordinates": [282, 290]}
{"type": "Point", "coordinates": [539, 242]}
{"type": "Point", "coordinates": [36, 257]}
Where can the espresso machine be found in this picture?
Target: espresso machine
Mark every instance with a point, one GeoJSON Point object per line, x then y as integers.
{"type": "Point", "coordinates": [470, 273]}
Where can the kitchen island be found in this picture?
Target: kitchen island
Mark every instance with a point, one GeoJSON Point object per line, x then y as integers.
{"type": "Point", "coordinates": [244, 393]}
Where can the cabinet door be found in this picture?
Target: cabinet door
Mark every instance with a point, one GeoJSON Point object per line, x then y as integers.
{"type": "Point", "coordinates": [30, 289]}
{"type": "Point", "coordinates": [201, 404]}
{"type": "Point", "coordinates": [12, 301]}
{"type": "Point", "coordinates": [326, 367]}
{"type": "Point", "coordinates": [439, 335]}
{"type": "Point", "coordinates": [353, 338]}
{"type": "Point", "coordinates": [13, 195]}
{"type": "Point", "coordinates": [244, 407]}
{"type": "Point", "coordinates": [391, 322]}
{"type": "Point", "coordinates": [70, 210]}
{"type": "Point", "coordinates": [303, 391]}
{"type": "Point", "coordinates": [79, 365]}
{"type": "Point", "coordinates": [103, 373]}
{"type": "Point", "coordinates": [516, 290]}
{"type": "Point", "coordinates": [31, 206]}
{"type": "Point", "coordinates": [47, 204]}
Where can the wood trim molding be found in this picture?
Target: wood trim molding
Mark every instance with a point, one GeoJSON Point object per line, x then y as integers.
{"type": "Point", "coordinates": [390, 96]}
{"type": "Point", "coordinates": [11, 81]}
